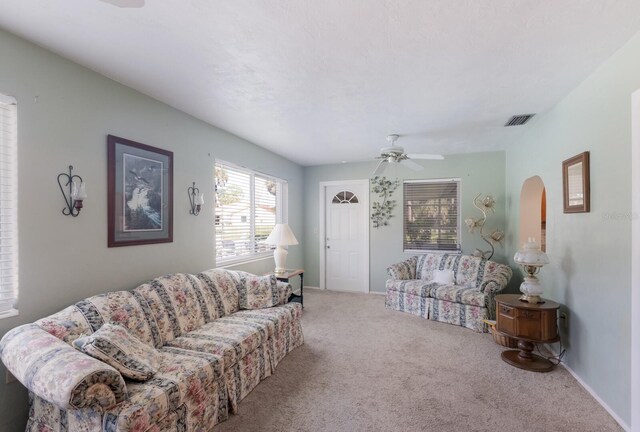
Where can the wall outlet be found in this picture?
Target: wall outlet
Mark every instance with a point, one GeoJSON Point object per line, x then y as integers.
{"type": "Point", "coordinates": [9, 378]}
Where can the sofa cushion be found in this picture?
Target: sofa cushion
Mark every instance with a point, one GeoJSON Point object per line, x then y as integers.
{"type": "Point", "coordinates": [175, 304]}
{"type": "Point", "coordinates": [123, 308]}
{"type": "Point", "coordinates": [284, 291]}
{"type": "Point", "coordinates": [87, 316]}
{"type": "Point", "coordinates": [114, 345]}
{"type": "Point", "coordinates": [258, 292]}
{"type": "Point", "coordinates": [223, 287]}
{"type": "Point", "coordinates": [427, 263]}
{"type": "Point", "coordinates": [275, 319]}
{"type": "Point", "coordinates": [229, 339]}
{"type": "Point", "coordinates": [421, 288]}
{"type": "Point", "coordinates": [67, 325]}
{"type": "Point", "coordinates": [184, 380]}
{"type": "Point", "coordinates": [469, 270]}
{"type": "Point", "coordinates": [284, 326]}
{"type": "Point", "coordinates": [457, 294]}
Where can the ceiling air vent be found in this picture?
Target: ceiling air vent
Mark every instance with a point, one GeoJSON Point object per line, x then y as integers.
{"type": "Point", "coordinates": [519, 120]}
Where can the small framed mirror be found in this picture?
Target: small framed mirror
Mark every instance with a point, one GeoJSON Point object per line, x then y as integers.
{"type": "Point", "coordinates": [575, 184]}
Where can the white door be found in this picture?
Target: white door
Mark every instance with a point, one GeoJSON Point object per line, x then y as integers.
{"type": "Point", "coordinates": [346, 237]}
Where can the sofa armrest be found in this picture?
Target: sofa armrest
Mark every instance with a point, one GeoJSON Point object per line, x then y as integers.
{"type": "Point", "coordinates": [491, 288]}
{"type": "Point", "coordinates": [284, 292]}
{"type": "Point", "coordinates": [497, 276]}
{"type": "Point", "coordinates": [57, 372]}
{"type": "Point", "coordinates": [405, 270]}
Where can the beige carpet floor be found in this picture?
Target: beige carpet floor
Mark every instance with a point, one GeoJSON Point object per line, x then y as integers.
{"type": "Point", "coordinates": [365, 368]}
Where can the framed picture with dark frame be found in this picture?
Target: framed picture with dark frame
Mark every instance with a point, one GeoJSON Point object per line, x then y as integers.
{"type": "Point", "coordinates": [140, 193]}
{"type": "Point", "coordinates": [575, 184]}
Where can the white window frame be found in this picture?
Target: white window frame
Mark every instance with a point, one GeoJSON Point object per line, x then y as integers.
{"type": "Point", "coordinates": [282, 211]}
{"type": "Point", "coordinates": [11, 154]}
{"type": "Point", "coordinates": [458, 250]}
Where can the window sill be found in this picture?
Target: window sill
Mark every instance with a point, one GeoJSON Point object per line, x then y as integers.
{"type": "Point", "coordinates": [8, 314]}
{"type": "Point", "coordinates": [244, 260]}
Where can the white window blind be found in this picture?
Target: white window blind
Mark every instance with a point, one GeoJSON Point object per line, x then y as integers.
{"type": "Point", "coordinates": [432, 215]}
{"type": "Point", "coordinates": [8, 205]}
{"type": "Point", "coordinates": [248, 206]}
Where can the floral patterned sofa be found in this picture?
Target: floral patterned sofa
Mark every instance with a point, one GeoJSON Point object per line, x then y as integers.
{"type": "Point", "coordinates": [212, 354]}
{"type": "Point", "coordinates": [466, 303]}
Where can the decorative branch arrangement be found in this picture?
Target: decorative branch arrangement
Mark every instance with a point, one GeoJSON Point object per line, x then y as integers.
{"type": "Point", "coordinates": [381, 212]}
{"type": "Point", "coordinates": [485, 205]}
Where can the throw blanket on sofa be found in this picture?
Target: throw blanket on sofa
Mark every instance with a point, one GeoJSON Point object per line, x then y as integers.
{"type": "Point", "coordinates": [210, 355]}
{"type": "Point", "coordinates": [467, 302]}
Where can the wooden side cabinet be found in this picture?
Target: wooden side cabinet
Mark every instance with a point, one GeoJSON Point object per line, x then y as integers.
{"type": "Point", "coordinates": [529, 323]}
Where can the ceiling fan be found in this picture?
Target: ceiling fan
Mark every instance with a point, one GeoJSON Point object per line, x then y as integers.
{"type": "Point", "coordinates": [396, 154]}
{"type": "Point", "coordinates": [125, 3]}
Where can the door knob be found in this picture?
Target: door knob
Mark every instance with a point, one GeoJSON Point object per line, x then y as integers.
{"type": "Point", "coordinates": [328, 247]}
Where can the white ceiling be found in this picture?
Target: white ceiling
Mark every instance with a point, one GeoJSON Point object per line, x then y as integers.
{"type": "Point", "coordinates": [325, 81]}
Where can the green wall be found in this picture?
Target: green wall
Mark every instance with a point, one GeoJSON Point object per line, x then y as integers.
{"type": "Point", "coordinates": [479, 173]}
{"type": "Point", "coordinates": [590, 253]}
{"type": "Point", "coordinates": [64, 259]}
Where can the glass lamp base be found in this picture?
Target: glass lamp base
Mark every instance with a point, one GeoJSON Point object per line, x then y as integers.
{"type": "Point", "coordinates": [531, 289]}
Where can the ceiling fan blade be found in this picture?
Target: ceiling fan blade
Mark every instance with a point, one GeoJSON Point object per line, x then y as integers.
{"type": "Point", "coordinates": [380, 168]}
{"type": "Point", "coordinates": [411, 164]}
{"type": "Point", "coordinates": [426, 156]}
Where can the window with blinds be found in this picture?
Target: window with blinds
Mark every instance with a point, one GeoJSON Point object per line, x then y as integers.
{"type": "Point", "coordinates": [431, 215]}
{"type": "Point", "coordinates": [248, 206]}
{"type": "Point", "coordinates": [8, 206]}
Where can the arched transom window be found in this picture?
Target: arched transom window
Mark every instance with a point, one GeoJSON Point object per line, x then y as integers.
{"type": "Point", "coordinates": [345, 197]}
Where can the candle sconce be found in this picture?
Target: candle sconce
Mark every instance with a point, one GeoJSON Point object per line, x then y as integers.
{"type": "Point", "coordinates": [76, 195]}
{"type": "Point", "coordinates": [196, 199]}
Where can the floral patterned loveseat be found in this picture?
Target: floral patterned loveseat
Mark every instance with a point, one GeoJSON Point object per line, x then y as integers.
{"type": "Point", "coordinates": [212, 354]}
{"type": "Point", "coordinates": [466, 303]}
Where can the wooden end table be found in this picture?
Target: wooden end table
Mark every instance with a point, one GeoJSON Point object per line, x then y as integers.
{"type": "Point", "coordinates": [288, 274]}
{"type": "Point", "coordinates": [530, 323]}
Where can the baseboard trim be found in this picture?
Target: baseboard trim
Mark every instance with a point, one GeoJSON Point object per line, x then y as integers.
{"type": "Point", "coordinates": [348, 292]}
{"type": "Point", "coordinates": [345, 291]}
{"type": "Point", "coordinates": [355, 292]}
{"type": "Point", "coordinates": [592, 392]}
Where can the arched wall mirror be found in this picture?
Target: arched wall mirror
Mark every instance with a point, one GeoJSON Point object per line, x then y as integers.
{"type": "Point", "coordinates": [533, 211]}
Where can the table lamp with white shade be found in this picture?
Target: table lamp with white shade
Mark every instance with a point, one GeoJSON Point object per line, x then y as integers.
{"type": "Point", "coordinates": [531, 258]}
{"type": "Point", "coordinates": [281, 236]}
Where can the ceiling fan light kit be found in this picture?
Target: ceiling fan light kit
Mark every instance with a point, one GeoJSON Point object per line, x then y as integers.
{"type": "Point", "coordinates": [396, 154]}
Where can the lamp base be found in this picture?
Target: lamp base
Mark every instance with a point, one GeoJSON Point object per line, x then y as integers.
{"type": "Point", "coordinates": [280, 258]}
{"type": "Point", "coordinates": [531, 298]}
{"type": "Point", "coordinates": [531, 289]}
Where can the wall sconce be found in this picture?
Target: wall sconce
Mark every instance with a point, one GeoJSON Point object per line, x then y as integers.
{"type": "Point", "coordinates": [77, 193]}
{"type": "Point", "coordinates": [196, 199]}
